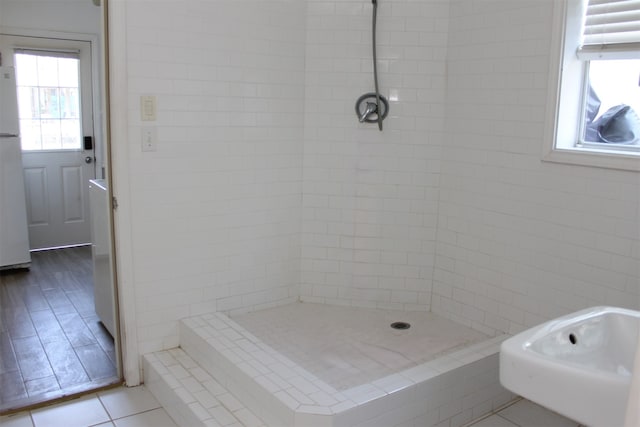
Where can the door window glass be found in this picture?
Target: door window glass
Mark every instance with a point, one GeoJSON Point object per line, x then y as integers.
{"type": "Point", "coordinates": [49, 100]}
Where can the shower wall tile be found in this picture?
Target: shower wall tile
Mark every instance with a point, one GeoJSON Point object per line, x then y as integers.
{"type": "Point", "coordinates": [216, 209]}
{"type": "Point", "coordinates": [519, 240]}
{"type": "Point", "coordinates": [370, 197]}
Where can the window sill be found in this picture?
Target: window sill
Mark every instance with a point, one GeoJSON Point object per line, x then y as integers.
{"type": "Point", "coordinates": [593, 157]}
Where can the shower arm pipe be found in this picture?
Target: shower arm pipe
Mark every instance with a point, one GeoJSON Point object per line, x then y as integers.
{"type": "Point", "coordinates": [375, 60]}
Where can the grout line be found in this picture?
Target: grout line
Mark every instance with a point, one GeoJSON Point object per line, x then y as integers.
{"type": "Point", "coordinates": [495, 412]}
{"type": "Point", "coordinates": [141, 412]}
{"type": "Point", "coordinates": [15, 356]}
{"type": "Point", "coordinates": [508, 404]}
{"type": "Point", "coordinates": [508, 420]}
{"type": "Point", "coordinates": [104, 407]}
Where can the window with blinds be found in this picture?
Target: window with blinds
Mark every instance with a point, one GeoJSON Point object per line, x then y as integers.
{"type": "Point", "coordinates": [610, 48]}
{"type": "Point", "coordinates": [611, 25]}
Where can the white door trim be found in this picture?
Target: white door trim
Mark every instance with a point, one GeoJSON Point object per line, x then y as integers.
{"type": "Point", "coordinates": [119, 144]}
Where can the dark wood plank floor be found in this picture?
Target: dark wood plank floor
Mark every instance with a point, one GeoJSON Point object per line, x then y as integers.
{"type": "Point", "coordinates": [51, 341]}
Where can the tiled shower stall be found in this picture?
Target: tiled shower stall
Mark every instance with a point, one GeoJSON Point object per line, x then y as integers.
{"type": "Point", "coordinates": [265, 189]}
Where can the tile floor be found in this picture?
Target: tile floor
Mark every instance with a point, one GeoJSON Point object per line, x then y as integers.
{"type": "Point", "coordinates": [525, 413]}
{"type": "Point", "coordinates": [136, 407]}
{"type": "Point", "coordinates": [51, 341]}
{"type": "Point", "coordinates": [119, 407]}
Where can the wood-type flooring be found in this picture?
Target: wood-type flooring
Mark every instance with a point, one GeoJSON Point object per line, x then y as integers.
{"type": "Point", "coordinates": [52, 343]}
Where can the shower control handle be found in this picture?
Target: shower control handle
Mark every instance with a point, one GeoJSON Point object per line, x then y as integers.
{"type": "Point", "coordinates": [372, 108]}
{"type": "Point", "coordinates": [369, 110]}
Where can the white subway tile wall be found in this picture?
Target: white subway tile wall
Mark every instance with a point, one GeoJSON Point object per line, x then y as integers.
{"type": "Point", "coordinates": [216, 209]}
{"type": "Point", "coordinates": [370, 198]}
{"type": "Point", "coordinates": [519, 240]}
{"type": "Point", "coordinates": [265, 189]}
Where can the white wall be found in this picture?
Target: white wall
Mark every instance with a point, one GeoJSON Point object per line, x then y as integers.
{"type": "Point", "coordinates": [215, 211]}
{"type": "Point", "coordinates": [370, 198]}
{"type": "Point", "coordinates": [71, 16]}
{"type": "Point", "coordinates": [520, 240]}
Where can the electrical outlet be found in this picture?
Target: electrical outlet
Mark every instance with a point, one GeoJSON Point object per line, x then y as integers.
{"type": "Point", "coordinates": [149, 139]}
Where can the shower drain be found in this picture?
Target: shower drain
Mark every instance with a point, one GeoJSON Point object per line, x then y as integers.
{"type": "Point", "coordinates": [400, 325]}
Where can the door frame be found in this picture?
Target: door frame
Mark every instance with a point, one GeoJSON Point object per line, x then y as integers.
{"type": "Point", "coordinates": [100, 86]}
{"type": "Point", "coordinates": [115, 33]}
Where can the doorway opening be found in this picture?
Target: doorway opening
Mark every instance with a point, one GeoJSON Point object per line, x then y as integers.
{"type": "Point", "coordinates": [58, 329]}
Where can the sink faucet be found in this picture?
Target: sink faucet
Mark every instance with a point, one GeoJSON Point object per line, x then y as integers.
{"type": "Point", "coordinates": [372, 108]}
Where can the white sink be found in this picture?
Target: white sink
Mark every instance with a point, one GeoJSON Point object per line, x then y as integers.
{"type": "Point", "coordinates": [578, 365]}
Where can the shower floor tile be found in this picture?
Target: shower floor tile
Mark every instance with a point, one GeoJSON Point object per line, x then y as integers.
{"type": "Point", "coordinates": [347, 346]}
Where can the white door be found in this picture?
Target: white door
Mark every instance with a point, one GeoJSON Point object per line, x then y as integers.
{"type": "Point", "coordinates": [55, 108]}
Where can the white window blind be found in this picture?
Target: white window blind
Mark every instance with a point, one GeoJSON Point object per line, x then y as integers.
{"type": "Point", "coordinates": [53, 53]}
{"type": "Point", "coordinates": [611, 26]}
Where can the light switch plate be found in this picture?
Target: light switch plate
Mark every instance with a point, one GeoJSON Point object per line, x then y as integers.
{"type": "Point", "coordinates": [148, 108]}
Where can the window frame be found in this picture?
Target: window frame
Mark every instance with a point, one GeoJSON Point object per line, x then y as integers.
{"type": "Point", "coordinates": [565, 98]}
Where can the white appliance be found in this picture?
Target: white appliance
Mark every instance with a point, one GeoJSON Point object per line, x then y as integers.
{"type": "Point", "coordinates": [14, 234]}
{"type": "Point", "coordinates": [103, 287]}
